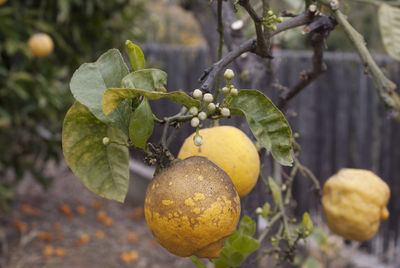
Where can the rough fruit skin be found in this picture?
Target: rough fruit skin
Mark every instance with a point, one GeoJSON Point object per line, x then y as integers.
{"type": "Point", "coordinates": [231, 150]}
{"type": "Point", "coordinates": [192, 207]}
{"type": "Point", "coordinates": [40, 44]}
{"type": "Point", "coordinates": [354, 202]}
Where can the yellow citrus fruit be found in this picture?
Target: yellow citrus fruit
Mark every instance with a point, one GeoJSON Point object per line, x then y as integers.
{"type": "Point", "coordinates": [2, 2]}
{"type": "Point", "coordinates": [192, 207]}
{"type": "Point", "coordinates": [354, 203]}
{"type": "Point", "coordinates": [40, 44]}
{"type": "Point", "coordinates": [231, 150]}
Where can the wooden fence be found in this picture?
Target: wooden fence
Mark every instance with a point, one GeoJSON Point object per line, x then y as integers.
{"type": "Point", "coordinates": [340, 119]}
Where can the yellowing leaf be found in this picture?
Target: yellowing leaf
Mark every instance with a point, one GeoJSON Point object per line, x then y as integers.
{"type": "Point", "coordinates": [276, 191]}
{"type": "Point", "coordinates": [389, 23]}
{"type": "Point", "coordinates": [114, 96]}
{"type": "Point", "coordinates": [103, 169]}
{"type": "Point", "coordinates": [135, 55]}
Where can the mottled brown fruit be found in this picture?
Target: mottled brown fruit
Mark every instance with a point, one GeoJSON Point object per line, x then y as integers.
{"type": "Point", "coordinates": [192, 207]}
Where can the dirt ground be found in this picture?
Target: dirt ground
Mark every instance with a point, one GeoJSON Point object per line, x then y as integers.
{"type": "Point", "coordinates": [68, 226]}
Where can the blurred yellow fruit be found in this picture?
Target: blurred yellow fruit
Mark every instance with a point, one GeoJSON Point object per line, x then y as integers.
{"type": "Point", "coordinates": [130, 256]}
{"type": "Point", "coordinates": [40, 44]}
{"type": "Point", "coordinates": [100, 234]}
{"type": "Point", "coordinates": [60, 253]}
{"type": "Point", "coordinates": [192, 207]}
{"type": "Point", "coordinates": [81, 210]}
{"type": "Point", "coordinates": [21, 226]}
{"type": "Point", "coordinates": [48, 251]}
{"type": "Point", "coordinates": [231, 150]}
{"type": "Point", "coordinates": [2, 2]}
{"type": "Point", "coordinates": [84, 238]}
{"type": "Point", "coordinates": [132, 236]}
{"type": "Point", "coordinates": [354, 203]}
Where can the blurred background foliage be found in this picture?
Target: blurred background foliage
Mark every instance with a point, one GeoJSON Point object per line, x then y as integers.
{"type": "Point", "coordinates": [362, 16]}
{"type": "Point", "coordinates": [34, 95]}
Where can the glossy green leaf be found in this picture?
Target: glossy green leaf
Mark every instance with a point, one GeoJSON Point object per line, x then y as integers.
{"type": "Point", "coordinates": [197, 262]}
{"type": "Point", "coordinates": [102, 169]}
{"type": "Point", "coordinates": [238, 246]}
{"type": "Point", "coordinates": [148, 79]}
{"type": "Point", "coordinates": [389, 23]}
{"type": "Point", "coordinates": [141, 124]}
{"type": "Point", "coordinates": [246, 244]}
{"type": "Point", "coordinates": [266, 122]}
{"type": "Point", "coordinates": [307, 225]}
{"type": "Point", "coordinates": [276, 191]}
{"type": "Point", "coordinates": [136, 56]}
{"type": "Point", "coordinates": [91, 80]}
{"type": "Point", "coordinates": [113, 97]}
{"type": "Point", "coordinates": [247, 226]}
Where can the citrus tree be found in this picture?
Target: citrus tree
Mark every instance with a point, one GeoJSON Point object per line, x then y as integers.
{"type": "Point", "coordinates": [41, 43]}
{"type": "Point", "coordinates": [193, 201]}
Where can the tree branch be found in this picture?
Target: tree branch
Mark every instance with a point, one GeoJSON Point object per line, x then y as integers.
{"type": "Point", "coordinates": [262, 42]}
{"type": "Point", "coordinates": [220, 45]}
{"type": "Point", "coordinates": [319, 30]}
{"type": "Point", "coordinates": [209, 76]}
{"type": "Point", "coordinates": [385, 87]}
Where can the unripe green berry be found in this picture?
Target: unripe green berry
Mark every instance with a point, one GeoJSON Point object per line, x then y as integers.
{"type": "Point", "coordinates": [202, 116]}
{"type": "Point", "coordinates": [208, 98]}
{"type": "Point", "coordinates": [197, 94]}
{"type": "Point", "coordinates": [198, 140]}
{"type": "Point", "coordinates": [211, 107]}
{"type": "Point", "coordinates": [225, 90]}
{"type": "Point", "coordinates": [193, 110]}
{"type": "Point", "coordinates": [234, 91]}
{"type": "Point", "coordinates": [229, 74]}
{"type": "Point", "coordinates": [225, 112]}
{"type": "Point", "coordinates": [106, 141]}
{"type": "Point", "coordinates": [195, 122]}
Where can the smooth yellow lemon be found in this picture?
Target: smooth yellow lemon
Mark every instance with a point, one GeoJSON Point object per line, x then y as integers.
{"type": "Point", "coordinates": [231, 150]}
{"type": "Point", "coordinates": [40, 44]}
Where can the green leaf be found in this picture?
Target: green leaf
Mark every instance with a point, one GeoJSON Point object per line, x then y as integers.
{"type": "Point", "coordinates": [197, 262]}
{"type": "Point", "coordinates": [307, 225]}
{"type": "Point", "coordinates": [389, 23]}
{"type": "Point", "coordinates": [102, 169]}
{"type": "Point", "coordinates": [311, 262]}
{"type": "Point", "coordinates": [91, 80]}
{"type": "Point", "coordinates": [247, 226]}
{"type": "Point", "coordinates": [135, 55]}
{"type": "Point", "coordinates": [148, 79]}
{"type": "Point", "coordinates": [276, 192]}
{"type": "Point", "coordinates": [246, 244]}
{"type": "Point", "coordinates": [113, 97]}
{"type": "Point", "coordinates": [141, 124]}
{"type": "Point", "coordinates": [266, 122]}
{"type": "Point", "coordinates": [238, 246]}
